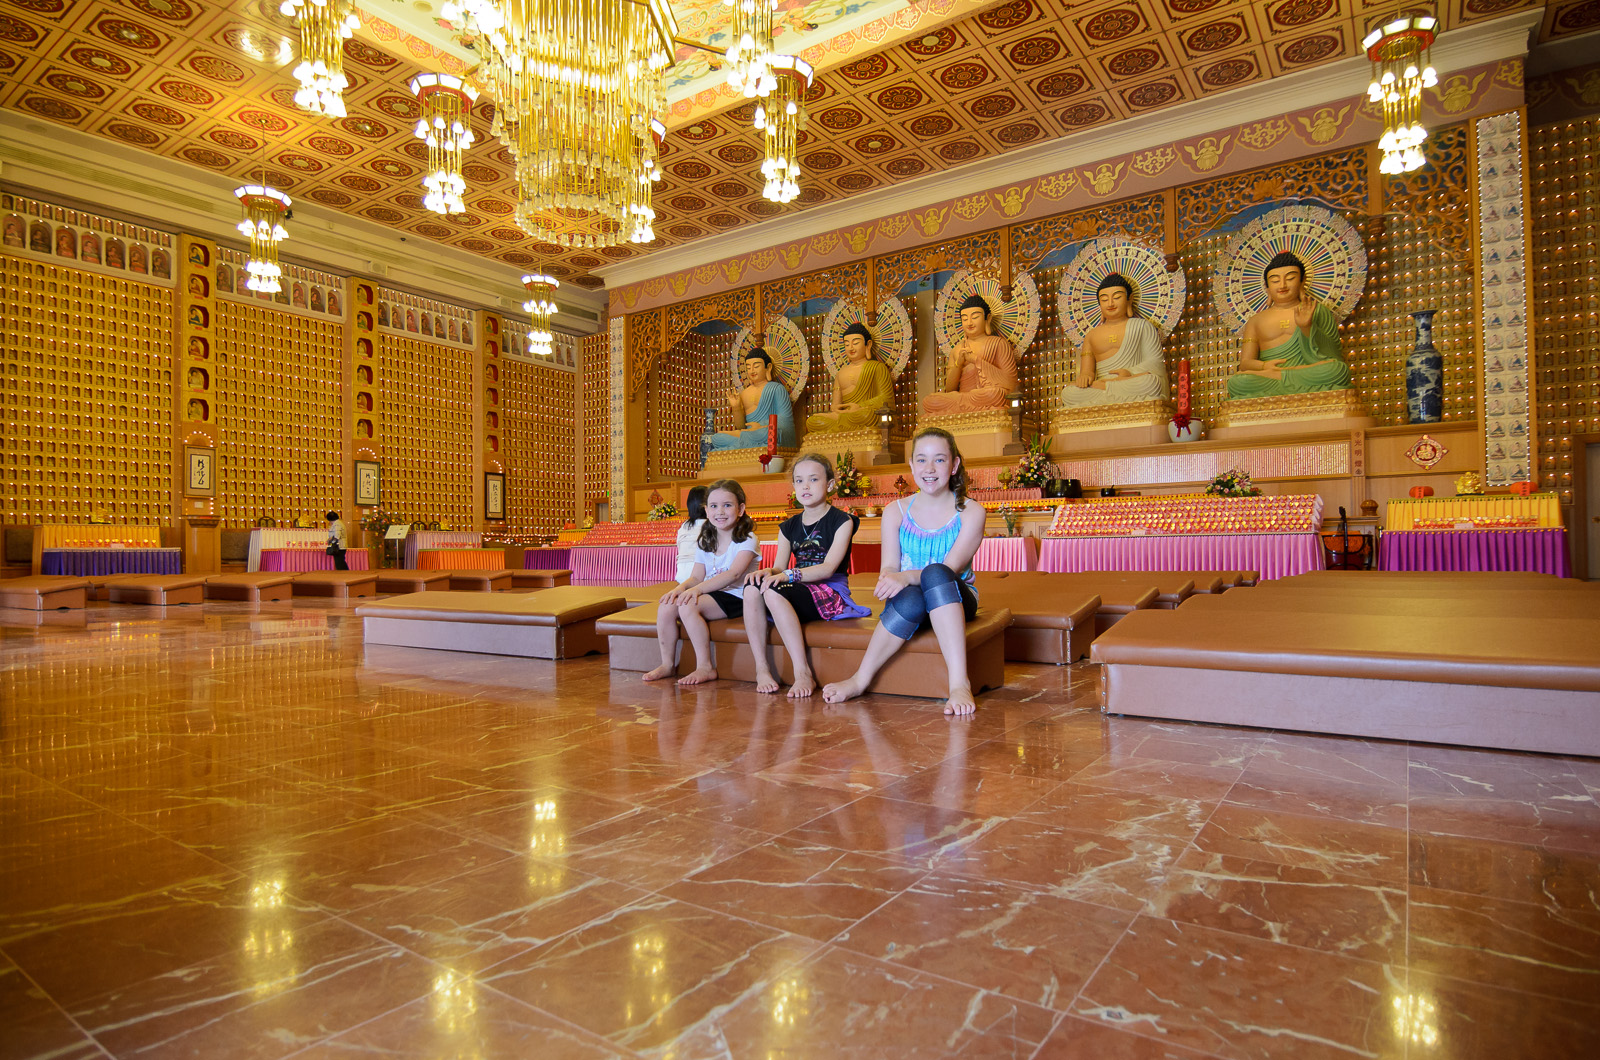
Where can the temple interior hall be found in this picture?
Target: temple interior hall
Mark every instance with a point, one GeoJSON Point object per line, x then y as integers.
{"type": "Point", "coordinates": [363, 365]}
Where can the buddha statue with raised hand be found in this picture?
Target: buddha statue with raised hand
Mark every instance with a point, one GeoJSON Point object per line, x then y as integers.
{"type": "Point", "coordinates": [1291, 346]}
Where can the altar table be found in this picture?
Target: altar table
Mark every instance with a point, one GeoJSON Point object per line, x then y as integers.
{"type": "Point", "coordinates": [309, 559]}
{"type": "Point", "coordinates": [1007, 553]}
{"type": "Point", "coordinates": [75, 535]}
{"type": "Point", "coordinates": [546, 559]}
{"type": "Point", "coordinates": [267, 538]}
{"type": "Point", "coordinates": [1274, 555]}
{"type": "Point", "coordinates": [461, 559]}
{"type": "Point", "coordinates": [1541, 550]}
{"type": "Point", "coordinates": [418, 540]}
{"type": "Point", "coordinates": [616, 564]}
{"type": "Point", "coordinates": [82, 562]}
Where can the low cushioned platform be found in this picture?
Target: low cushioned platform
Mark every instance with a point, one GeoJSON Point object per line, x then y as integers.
{"type": "Point", "coordinates": [834, 650]}
{"type": "Point", "coordinates": [1119, 594]}
{"type": "Point", "coordinates": [44, 592]}
{"type": "Point", "coordinates": [1369, 579]}
{"type": "Point", "coordinates": [557, 623]}
{"type": "Point", "coordinates": [412, 581]}
{"type": "Point", "coordinates": [1448, 670]}
{"type": "Point", "coordinates": [100, 584]}
{"type": "Point", "coordinates": [256, 587]}
{"type": "Point", "coordinates": [159, 589]}
{"type": "Point", "coordinates": [479, 581]}
{"type": "Point", "coordinates": [1049, 623]}
{"type": "Point", "coordinates": [1510, 603]}
{"type": "Point", "coordinates": [540, 579]}
{"type": "Point", "coordinates": [339, 584]}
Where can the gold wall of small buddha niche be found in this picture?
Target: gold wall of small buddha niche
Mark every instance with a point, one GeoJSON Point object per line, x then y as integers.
{"type": "Point", "coordinates": [594, 353]}
{"type": "Point", "coordinates": [425, 422]}
{"type": "Point", "coordinates": [538, 406]}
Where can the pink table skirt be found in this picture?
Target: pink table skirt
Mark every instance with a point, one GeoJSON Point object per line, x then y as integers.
{"type": "Point", "coordinates": [305, 559]}
{"type": "Point", "coordinates": [1274, 555]}
{"type": "Point", "coordinates": [1544, 551]}
{"type": "Point", "coordinates": [639, 564]}
{"type": "Point", "coordinates": [1007, 553]}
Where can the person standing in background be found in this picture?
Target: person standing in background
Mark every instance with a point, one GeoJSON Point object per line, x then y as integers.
{"type": "Point", "coordinates": [336, 541]}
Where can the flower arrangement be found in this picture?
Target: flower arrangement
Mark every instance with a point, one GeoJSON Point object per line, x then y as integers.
{"type": "Point", "coordinates": [378, 521]}
{"type": "Point", "coordinates": [852, 483]}
{"type": "Point", "coordinates": [1034, 467]}
{"type": "Point", "coordinates": [663, 510]}
{"type": "Point", "coordinates": [1009, 514]}
{"type": "Point", "coordinates": [1234, 482]}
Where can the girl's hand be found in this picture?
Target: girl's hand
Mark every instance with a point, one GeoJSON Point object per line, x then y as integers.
{"type": "Point", "coordinates": [757, 577]}
{"type": "Point", "coordinates": [774, 579]}
{"type": "Point", "coordinates": [688, 597]}
{"type": "Point", "coordinates": [889, 585]}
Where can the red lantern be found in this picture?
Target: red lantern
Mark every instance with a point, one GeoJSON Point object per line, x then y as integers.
{"type": "Point", "coordinates": [1420, 492]}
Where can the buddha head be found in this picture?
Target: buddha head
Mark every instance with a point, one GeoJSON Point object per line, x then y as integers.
{"type": "Point", "coordinates": [1283, 278]}
{"type": "Point", "coordinates": [858, 343]}
{"type": "Point", "coordinates": [757, 367]}
{"type": "Point", "coordinates": [976, 317]}
{"type": "Point", "coordinates": [1115, 295]}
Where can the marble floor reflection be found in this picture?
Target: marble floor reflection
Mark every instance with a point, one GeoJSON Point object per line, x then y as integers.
{"type": "Point", "coordinates": [234, 831]}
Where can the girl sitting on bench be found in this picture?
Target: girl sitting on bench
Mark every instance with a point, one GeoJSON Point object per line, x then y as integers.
{"type": "Point", "coordinates": [919, 583]}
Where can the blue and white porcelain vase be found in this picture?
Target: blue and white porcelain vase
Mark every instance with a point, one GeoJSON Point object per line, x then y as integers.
{"type": "Point", "coordinates": [1424, 374]}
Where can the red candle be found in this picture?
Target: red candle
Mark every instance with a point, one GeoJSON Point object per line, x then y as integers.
{"type": "Point", "coordinates": [1183, 387]}
{"type": "Point", "coordinates": [772, 433]}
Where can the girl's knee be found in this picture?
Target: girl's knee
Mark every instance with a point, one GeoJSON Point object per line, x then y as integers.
{"type": "Point", "coordinates": [937, 574]}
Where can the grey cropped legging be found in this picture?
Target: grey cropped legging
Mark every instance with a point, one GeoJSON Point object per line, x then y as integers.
{"type": "Point", "coordinates": [907, 611]}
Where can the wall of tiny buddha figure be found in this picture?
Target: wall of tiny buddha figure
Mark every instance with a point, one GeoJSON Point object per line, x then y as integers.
{"type": "Point", "coordinates": [425, 417]}
{"type": "Point", "coordinates": [594, 359]}
{"type": "Point", "coordinates": [539, 428]}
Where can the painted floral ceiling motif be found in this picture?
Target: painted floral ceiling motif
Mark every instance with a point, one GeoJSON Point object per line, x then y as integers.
{"type": "Point", "coordinates": [207, 83]}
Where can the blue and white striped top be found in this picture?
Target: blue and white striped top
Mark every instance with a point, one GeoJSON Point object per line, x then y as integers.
{"type": "Point", "coordinates": [920, 547]}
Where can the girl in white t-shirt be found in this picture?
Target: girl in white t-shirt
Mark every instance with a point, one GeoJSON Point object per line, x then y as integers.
{"type": "Point", "coordinates": [726, 551]}
{"type": "Point", "coordinates": [689, 533]}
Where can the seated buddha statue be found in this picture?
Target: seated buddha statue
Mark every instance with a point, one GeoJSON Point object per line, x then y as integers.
{"type": "Point", "coordinates": [861, 390]}
{"type": "Point", "coordinates": [1292, 346]}
{"type": "Point", "coordinates": [762, 396]}
{"type": "Point", "coordinates": [983, 366]}
{"type": "Point", "coordinates": [1120, 361]}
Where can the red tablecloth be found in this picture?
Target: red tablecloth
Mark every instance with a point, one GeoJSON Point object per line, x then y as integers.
{"type": "Point", "coordinates": [617, 564]}
{"type": "Point", "coordinates": [1543, 550]}
{"type": "Point", "coordinates": [305, 559]}
{"type": "Point", "coordinates": [865, 556]}
{"type": "Point", "coordinates": [546, 558]}
{"type": "Point", "coordinates": [461, 559]}
{"type": "Point", "coordinates": [1274, 555]}
{"type": "Point", "coordinates": [1007, 553]}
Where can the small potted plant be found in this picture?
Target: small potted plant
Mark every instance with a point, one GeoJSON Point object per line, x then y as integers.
{"type": "Point", "coordinates": [1034, 467]}
{"type": "Point", "coordinates": [1009, 514]}
{"type": "Point", "coordinates": [1234, 482]}
{"type": "Point", "coordinates": [663, 510]}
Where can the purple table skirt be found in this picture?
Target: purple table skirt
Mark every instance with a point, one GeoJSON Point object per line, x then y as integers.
{"type": "Point", "coordinates": [1544, 551]}
{"type": "Point", "coordinates": [547, 559]}
{"type": "Point", "coordinates": [82, 562]}
{"type": "Point", "coordinates": [1274, 555]}
{"type": "Point", "coordinates": [635, 564]}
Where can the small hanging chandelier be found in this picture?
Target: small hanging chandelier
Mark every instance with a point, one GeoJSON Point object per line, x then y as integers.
{"type": "Point", "coordinates": [264, 208]}
{"type": "Point", "coordinates": [541, 306]}
{"type": "Point", "coordinates": [781, 118]}
{"type": "Point", "coordinates": [1400, 71]}
{"type": "Point", "coordinates": [446, 104]}
{"type": "Point", "coordinates": [324, 27]}
{"type": "Point", "coordinates": [750, 54]}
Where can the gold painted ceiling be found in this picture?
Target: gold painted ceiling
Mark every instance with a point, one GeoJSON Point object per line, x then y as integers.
{"type": "Point", "coordinates": [208, 83]}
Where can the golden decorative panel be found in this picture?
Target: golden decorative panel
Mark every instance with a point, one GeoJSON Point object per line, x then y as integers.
{"type": "Point", "coordinates": [843, 281]}
{"type": "Point", "coordinates": [974, 251]}
{"type": "Point", "coordinates": [279, 398]}
{"type": "Point", "coordinates": [1139, 219]}
{"type": "Point", "coordinates": [540, 437]}
{"type": "Point", "coordinates": [425, 417]}
{"type": "Point", "coordinates": [87, 396]}
{"type": "Point", "coordinates": [594, 364]}
{"type": "Point", "coordinates": [1338, 180]}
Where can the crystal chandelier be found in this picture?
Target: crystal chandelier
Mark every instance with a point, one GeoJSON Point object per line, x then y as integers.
{"type": "Point", "coordinates": [781, 117]}
{"type": "Point", "coordinates": [541, 305]}
{"type": "Point", "coordinates": [324, 27]}
{"type": "Point", "coordinates": [263, 209]}
{"type": "Point", "coordinates": [750, 55]}
{"type": "Point", "coordinates": [446, 104]}
{"type": "Point", "coordinates": [577, 85]}
{"type": "Point", "coordinates": [1400, 71]}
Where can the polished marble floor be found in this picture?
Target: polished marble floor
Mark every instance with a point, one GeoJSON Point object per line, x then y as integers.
{"type": "Point", "coordinates": [236, 832]}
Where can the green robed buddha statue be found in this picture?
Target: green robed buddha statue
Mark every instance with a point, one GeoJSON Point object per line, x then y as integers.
{"type": "Point", "coordinates": [861, 390]}
{"type": "Point", "coordinates": [1292, 346]}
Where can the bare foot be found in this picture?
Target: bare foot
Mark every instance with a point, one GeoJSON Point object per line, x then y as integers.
{"type": "Point", "coordinates": [765, 682]}
{"type": "Point", "coordinates": [960, 701]}
{"type": "Point", "coordinates": [804, 685]}
{"type": "Point", "coordinates": [699, 677]}
{"type": "Point", "coordinates": [659, 672]}
{"type": "Point", "coordinates": [840, 691]}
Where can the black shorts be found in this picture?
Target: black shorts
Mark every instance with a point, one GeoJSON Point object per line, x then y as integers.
{"type": "Point", "coordinates": [800, 598]}
{"type": "Point", "coordinates": [732, 603]}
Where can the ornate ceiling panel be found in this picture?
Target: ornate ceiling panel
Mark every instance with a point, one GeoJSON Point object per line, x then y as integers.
{"type": "Point", "coordinates": [207, 83]}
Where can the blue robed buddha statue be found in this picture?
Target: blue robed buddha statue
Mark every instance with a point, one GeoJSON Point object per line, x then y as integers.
{"type": "Point", "coordinates": [1291, 346]}
{"type": "Point", "coordinates": [763, 396]}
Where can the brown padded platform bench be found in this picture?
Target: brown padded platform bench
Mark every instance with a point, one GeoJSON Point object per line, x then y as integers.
{"type": "Point", "coordinates": [100, 584]}
{"type": "Point", "coordinates": [479, 581]}
{"type": "Point", "coordinates": [1447, 670]}
{"type": "Point", "coordinates": [1514, 604]}
{"type": "Point", "coordinates": [159, 589]}
{"type": "Point", "coordinates": [834, 648]}
{"type": "Point", "coordinates": [540, 579]}
{"type": "Point", "coordinates": [412, 581]}
{"type": "Point", "coordinates": [256, 587]}
{"type": "Point", "coordinates": [1370, 579]}
{"type": "Point", "coordinates": [338, 584]}
{"type": "Point", "coordinates": [44, 592]}
{"type": "Point", "coordinates": [557, 623]}
{"type": "Point", "coordinates": [1049, 623]}
{"type": "Point", "coordinates": [1119, 594]}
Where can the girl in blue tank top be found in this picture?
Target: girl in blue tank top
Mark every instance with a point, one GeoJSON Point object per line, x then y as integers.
{"type": "Point", "coordinates": [926, 541]}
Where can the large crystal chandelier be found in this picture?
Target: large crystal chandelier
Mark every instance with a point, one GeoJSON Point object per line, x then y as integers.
{"type": "Point", "coordinates": [577, 85]}
{"type": "Point", "coordinates": [324, 27]}
{"type": "Point", "coordinates": [264, 208]}
{"type": "Point", "coordinates": [781, 117]}
{"type": "Point", "coordinates": [541, 306]}
{"type": "Point", "coordinates": [750, 55]}
{"type": "Point", "coordinates": [1400, 71]}
{"type": "Point", "coordinates": [446, 104]}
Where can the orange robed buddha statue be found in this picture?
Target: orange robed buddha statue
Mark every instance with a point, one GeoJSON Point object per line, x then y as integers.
{"type": "Point", "coordinates": [983, 367]}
